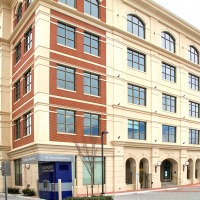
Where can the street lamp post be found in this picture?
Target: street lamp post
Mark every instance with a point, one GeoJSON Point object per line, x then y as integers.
{"type": "Point", "coordinates": [102, 161]}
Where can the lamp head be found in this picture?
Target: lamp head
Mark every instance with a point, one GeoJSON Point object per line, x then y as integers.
{"type": "Point", "coordinates": [104, 132]}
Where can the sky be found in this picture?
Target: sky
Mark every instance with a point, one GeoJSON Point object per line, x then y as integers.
{"type": "Point", "coordinates": [188, 10]}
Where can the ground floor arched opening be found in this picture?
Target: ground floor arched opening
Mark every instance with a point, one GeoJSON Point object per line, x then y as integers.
{"type": "Point", "coordinates": [131, 172]}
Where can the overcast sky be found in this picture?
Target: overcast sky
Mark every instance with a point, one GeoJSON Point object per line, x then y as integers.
{"type": "Point", "coordinates": [189, 10]}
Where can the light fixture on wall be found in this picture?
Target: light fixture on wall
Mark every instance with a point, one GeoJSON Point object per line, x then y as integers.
{"type": "Point", "coordinates": [27, 166]}
{"type": "Point", "coordinates": [186, 164]}
{"type": "Point", "coordinates": [0, 166]}
{"type": "Point", "coordinates": [157, 165]}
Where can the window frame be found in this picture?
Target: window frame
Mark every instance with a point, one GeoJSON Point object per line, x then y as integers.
{"type": "Point", "coordinates": [140, 25]}
{"type": "Point", "coordinates": [193, 54]}
{"type": "Point", "coordinates": [17, 90]}
{"type": "Point", "coordinates": [90, 38]}
{"type": "Point", "coordinates": [193, 136]}
{"type": "Point", "coordinates": [27, 123]}
{"type": "Point", "coordinates": [28, 40]}
{"type": "Point", "coordinates": [66, 71]}
{"type": "Point", "coordinates": [93, 8]}
{"type": "Point", "coordinates": [65, 113]}
{"type": "Point", "coordinates": [19, 12]}
{"type": "Point", "coordinates": [172, 72]}
{"type": "Point", "coordinates": [132, 97]}
{"type": "Point", "coordinates": [193, 82]}
{"type": "Point", "coordinates": [168, 99]}
{"type": "Point", "coordinates": [138, 55]}
{"type": "Point", "coordinates": [17, 128]}
{"type": "Point", "coordinates": [168, 42]}
{"type": "Point", "coordinates": [132, 133]}
{"type": "Point", "coordinates": [18, 52]}
{"type": "Point", "coordinates": [196, 111]}
{"type": "Point", "coordinates": [168, 134]}
{"type": "Point", "coordinates": [92, 78]}
{"type": "Point", "coordinates": [27, 82]}
{"type": "Point", "coordinates": [68, 30]}
{"type": "Point", "coordinates": [92, 117]}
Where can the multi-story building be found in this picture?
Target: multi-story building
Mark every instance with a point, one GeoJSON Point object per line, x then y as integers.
{"type": "Point", "coordinates": [71, 69]}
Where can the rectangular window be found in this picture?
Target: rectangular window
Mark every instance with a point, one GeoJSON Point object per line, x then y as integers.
{"type": "Point", "coordinates": [91, 124]}
{"type": "Point", "coordinates": [136, 60]}
{"type": "Point", "coordinates": [65, 121]}
{"type": "Point", "coordinates": [27, 124]}
{"type": "Point", "coordinates": [168, 133]}
{"type": "Point", "coordinates": [17, 128]}
{"type": "Point", "coordinates": [193, 82]}
{"type": "Point", "coordinates": [18, 52]}
{"type": "Point", "coordinates": [65, 78]}
{"type": "Point", "coordinates": [71, 3]}
{"type": "Point", "coordinates": [136, 130]}
{"type": "Point", "coordinates": [193, 109]}
{"type": "Point", "coordinates": [168, 72]}
{"type": "Point", "coordinates": [17, 90]}
{"type": "Point", "coordinates": [91, 7]}
{"type": "Point", "coordinates": [18, 172]}
{"type": "Point", "coordinates": [168, 103]}
{"type": "Point", "coordinates": [193, 136]}
{"type": "Point", "coordinates": [91, 44]}
{"type": "Point", "coordinates": [136, 95]}
{"type": "Point", "coordinates": [91, 84]}
{"type": "Point", "coordinates": [88, 163]}
{"type": "Point", "coordinates": [27, 82]}
{"type": "Point", "coordinates": [28, 40]}
{"type": "Point", "coordinates": [66, 35]}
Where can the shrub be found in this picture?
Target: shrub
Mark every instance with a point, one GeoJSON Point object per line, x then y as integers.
{"type": "Point", "coordinates": [13, 190]}
{"type": "Point", "coordinates": [90, 198]}
{"type": "Point", "coordinates": [28, 192]}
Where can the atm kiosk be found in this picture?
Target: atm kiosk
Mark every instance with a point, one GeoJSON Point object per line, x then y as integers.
{"type": "Point", "coordinates": [49, 173]}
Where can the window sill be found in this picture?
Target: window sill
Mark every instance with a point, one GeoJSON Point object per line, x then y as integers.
{"type": "Point", "coordinates": [62, 45]}
{"type": "Point", "coordinates": [25, 136]}
{"type": "Point", "coordinates": [97, 18]}
{"type": "Point", "coordinates": [132, 104]}
{"type": "Point", "coordinates": [17, 140]}
{"type": "Point", "coordinates": [26, 93]}
{"type": "Point", "coordinates": [27, 51]}
{"type": "Point", "coordinates": [74, 91]}
{"type": "Point", "coordinates": [16, 101]}
{"type": "Point", "coordinates": [132, 68]}
{"type": "Point", "coordinates": [91, 95]}
{"type": "Point", "coordinates": [169, 81]}
{"type": "Point", "coordinates": [98, 136]}
{"type": "Point", "coordinates": [92, 55]}
{"type": "Point", "coordinates": [63, 133]}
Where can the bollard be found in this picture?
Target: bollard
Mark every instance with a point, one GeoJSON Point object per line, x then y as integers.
{"type": "Point", "coordinates": [59, 189]}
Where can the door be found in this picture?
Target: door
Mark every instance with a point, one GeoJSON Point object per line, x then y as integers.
{"type": "Point", "coordinates": [167, 171]}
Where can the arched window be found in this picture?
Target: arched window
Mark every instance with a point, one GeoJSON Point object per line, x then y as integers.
{"type": "Point", "coordinates": [193, 54]}
{"type": "Point", "coordinates": [19, 12]}
{"type": "Point", "coordinates": [91, 7]}
{"type": "Point", "coordinates": [168, 42]}
{"type": "Point", "coordinates": [135, 26]}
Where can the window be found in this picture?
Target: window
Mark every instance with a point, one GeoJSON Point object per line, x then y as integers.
{"type": "Point", "coordinates": [27, 82]}
{"type": "Point", "coordinates": [28, 40]}
{"type": "Point", "coordinates": [136, 95]}
{"type": "Point", "coordinates": [135, 26]}
{"type": "Point", "coordinates": [68, 2]}
{"type": "Point", "coordinates": [65, 121]}
{"type": "Point", "coordinates": [17, 90]}
{"type": "Point", "coordinates": [168, 103]}
{"type": "Point", "coordinates": [168, 133]}
{"type": "Point", "coordinates": [66, 35]}
{"type": "Point", "coordinates": [65, 78]}
{"type": "Point", "coordinates": [18, 172]}
{"type": "Point", "coordinates": [193, 82]}
{"type": "Point", "coordinates": [18, 52]}
{"type": "Point", "coordinates": [91, 44]}
{"type": "Point", "coordinates": [136, 130]}
{"type": "Point", "coordinates": [193, 136]}
{"type": "Point", "coordinates": [91, 124]}
{"type": "Point", "coordinates": [17, 128]}
{"type": "Point", "coordinates": [193, 109]}
{"type": "Point", "coordinates": [28, 3]}
{"type": "Point", "coordinates": [91, 84]}
{"type": "Point", "coordinates": [91, 7]}
{"type": "Point", "coordinates": [27, 124]}
{"type": "Point", "coordinates": [88, 163]}
{"type": "Point", "coordinates": [193, 55]}
{"type": "Point", "coordinates": [19, 13]}
{"type": "Point", "coordinates": [168, 72]}
{"type": "Point", "coordinates": [136, 60]}
{"type": "Point", "coordinates": [168, 42]}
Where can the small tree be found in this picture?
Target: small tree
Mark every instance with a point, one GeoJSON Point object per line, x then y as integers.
{"type": "Point", "coordinates": [87, 153]}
